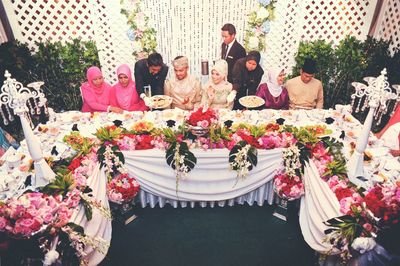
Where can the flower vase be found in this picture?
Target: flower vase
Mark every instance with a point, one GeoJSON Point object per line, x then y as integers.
{"type": "Point", "coordinates": [199, 131]}
{"type": "Point", "coordinates": [285, 207]}
{"type": "Point", "coordinates": [123, 212]}
{"type": "Point", "coordinates": [281, 208]}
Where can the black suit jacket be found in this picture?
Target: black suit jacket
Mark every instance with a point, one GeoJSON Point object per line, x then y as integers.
{"type": "Point", "coordinates": [236, 52]}
{"type": "Point", "coordinates": [144, 78]}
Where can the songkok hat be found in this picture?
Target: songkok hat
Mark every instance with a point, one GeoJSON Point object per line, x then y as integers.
{"type": "Point", "coordinates": [221, 66]}
{"type": "Point", "coordinates": [309, 66]}
{"type": "Point", "coordinates": [180, 61]}
{"type": "Point", "coordinates": [253, 55]}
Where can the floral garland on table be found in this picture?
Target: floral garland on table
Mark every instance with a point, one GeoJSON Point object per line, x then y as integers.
{"type": "Point", "coordinates": [258, 25]}
{"type": "Point", "coordinates": [142, 36]}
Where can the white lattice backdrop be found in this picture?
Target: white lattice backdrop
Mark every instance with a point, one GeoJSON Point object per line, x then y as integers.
{"type": "Point", "coordinates": [190, 28]}
{"type": "Point", "coordinates": [389, 23]}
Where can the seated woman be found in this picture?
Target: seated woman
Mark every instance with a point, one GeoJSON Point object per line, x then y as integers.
{"type": "Point", "coordinates": [6, 140]}
{"type": "Point", "coordinates": [124, 94]}
{"type": "Point", "coordinates": [272, 91]}
{"type": "Point", "coordinates": [217, 93]}
{"type": "Point", "coordinates": [246, 76]}
{"type": "Point", "coordinates": [96, 93]}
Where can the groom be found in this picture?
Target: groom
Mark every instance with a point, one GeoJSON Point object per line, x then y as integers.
{"type": "Point", "coordinates": [231, 50]}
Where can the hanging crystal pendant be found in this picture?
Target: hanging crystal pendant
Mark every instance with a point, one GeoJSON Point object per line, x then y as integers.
{"type": "Point", "coordinates": [3, 116]}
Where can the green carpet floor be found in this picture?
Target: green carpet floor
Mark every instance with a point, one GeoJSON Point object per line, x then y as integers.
{"type": "Point", "coordinates": [240, 235]}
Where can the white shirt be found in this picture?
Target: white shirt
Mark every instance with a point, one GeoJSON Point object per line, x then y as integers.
{"type": "Point", "coordinates": [229, 48]}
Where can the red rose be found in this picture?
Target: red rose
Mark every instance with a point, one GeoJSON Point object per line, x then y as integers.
{"type": "Point", "coordinates": [75, 163]}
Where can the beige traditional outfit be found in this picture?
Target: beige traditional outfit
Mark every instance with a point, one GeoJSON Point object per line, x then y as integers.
{"type": "Point", "coordinates": [305, 95]}
{"type": "Point", "coordinates": [222, 95]}
{"type": "Point", "coordinates": [185, 93]}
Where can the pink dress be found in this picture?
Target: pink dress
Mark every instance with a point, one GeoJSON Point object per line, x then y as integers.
{"type": "Point", "coordinates": [271, 102]}
{"type": "Point", "coordinates": [127, 97]}
{"type": "Point", "coordinates": [95, 99]}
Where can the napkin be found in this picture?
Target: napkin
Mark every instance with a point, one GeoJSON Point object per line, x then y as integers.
{"type": "Point", "coordinates": [329, 120]}
{"type": "Point", "coordinates": [54, 151]}
{"type": "Point", "coordinates": [75, 127]}
{"type": "Point", "coordinates": [280, 121]}
{"type": "Point", "coordinates": [117, 122]}
{"type": "Point", "coordinates": [228, 123]}
{"type": "Point", "coordinates": [171, 123]}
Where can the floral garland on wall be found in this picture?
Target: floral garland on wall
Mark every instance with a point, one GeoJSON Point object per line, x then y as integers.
{"type": "Point", "coordinates": [142, 36]}
{"type": "Point", "coordinates": [258, 25]}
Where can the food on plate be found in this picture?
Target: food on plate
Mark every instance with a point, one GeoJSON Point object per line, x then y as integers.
{"type": "Point", "coordinates": [161, 101]}
{"type": "Point", "coordinates": [251, 101]}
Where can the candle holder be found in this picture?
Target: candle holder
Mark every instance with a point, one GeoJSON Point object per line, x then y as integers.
{"type": "Point", "coordinates": [375, 95]}
{"type": "Point", "coordinates": [15, 98]}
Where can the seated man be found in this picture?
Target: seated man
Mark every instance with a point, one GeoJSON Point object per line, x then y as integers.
{"type": "Point", "coordinates": [151, 72]}
{"type": "Point", "coordinates": [184, 89]}
{"type": "Point", "coordinates": [305, 92]}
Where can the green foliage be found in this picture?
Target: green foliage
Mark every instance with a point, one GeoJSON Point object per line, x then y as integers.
{"type": "Point", "coordinates": [349, 61]}
{"type": "Point", "coordinates": [62, 67]}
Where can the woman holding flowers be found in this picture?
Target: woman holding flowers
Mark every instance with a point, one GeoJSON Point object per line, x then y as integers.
{"type": "Point", "coordinates": [272, 90]}
{"type": "Point", "coordinates": [96, 93]}
{"type": "Point", "coordinates": [124, 94]}
{"type": "Point", "coordinates": [217, 93]}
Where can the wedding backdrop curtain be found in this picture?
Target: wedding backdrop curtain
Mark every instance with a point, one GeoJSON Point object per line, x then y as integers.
{"type": "Point", "coordinates": [192, 28]}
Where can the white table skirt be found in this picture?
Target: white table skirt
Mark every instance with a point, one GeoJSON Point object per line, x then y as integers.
{"type": "Point", "coordinates": [318, 205]}
{"type": "Point", "coordinates": [210, 182]}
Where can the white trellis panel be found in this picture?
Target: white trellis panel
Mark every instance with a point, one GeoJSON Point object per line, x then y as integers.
{"type": "Point", "coordinates": [388, 26]}
{"type": "Point", "coordinates": [190, 28]}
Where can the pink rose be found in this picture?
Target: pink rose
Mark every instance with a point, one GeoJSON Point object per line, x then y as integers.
{"type": "Point", "coordinates": [3, 223]}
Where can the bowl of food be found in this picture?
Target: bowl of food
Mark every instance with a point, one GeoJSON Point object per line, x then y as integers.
{"type": "Point", "coordinates": [251, 101]}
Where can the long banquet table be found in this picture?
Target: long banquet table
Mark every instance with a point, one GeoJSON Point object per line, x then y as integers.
{"type": "Point", "coordinates": [211, 182]}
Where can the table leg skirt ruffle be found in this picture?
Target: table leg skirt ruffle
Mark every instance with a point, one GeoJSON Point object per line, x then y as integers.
{"type": "Point", "coordinates": [258, 196]}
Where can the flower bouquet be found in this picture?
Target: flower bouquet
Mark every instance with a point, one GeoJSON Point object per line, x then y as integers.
{"type": "Point", "coordinates": [200, 120]}
{"type": "Point", "coordinates": [121, 190]}
{"type": "Point", "coordinates": [288, 187]}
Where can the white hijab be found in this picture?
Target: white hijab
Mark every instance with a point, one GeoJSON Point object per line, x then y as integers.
{"type": "Point", "coordinates": [271, 79]}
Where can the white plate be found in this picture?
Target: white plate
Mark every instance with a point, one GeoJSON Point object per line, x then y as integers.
{"type": "Point", "coordinates": [251, 101]}
{"type": "Point", "coordinates": [161, 101]}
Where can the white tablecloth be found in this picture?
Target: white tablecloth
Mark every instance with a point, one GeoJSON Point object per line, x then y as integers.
{"type": "Point", "coordinates": [98, 226]}
{"type": "Point", "coordinates": [210, 181]}
{"type": "Point", "coordinates": [318, 205]}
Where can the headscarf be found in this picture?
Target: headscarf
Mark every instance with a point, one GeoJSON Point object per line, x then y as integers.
{"type": "Point", "coordinates": [272, 75]}
{"type": "Point", "coordinates": [124, 94]}
{"type": "Point", "coordinates": [253, 55]}
{"type": "Point", "coordinates": [221, 66]}
{"type": "Point", "coordinates": [92, 73]}
{"type": "Point", "coordinates": [180, 62]}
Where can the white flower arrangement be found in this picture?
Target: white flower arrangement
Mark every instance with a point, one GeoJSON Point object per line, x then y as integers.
{"type": "Point", "coordinates": [142, 36]}
{"type": "Point", "coordinates": [258, 25]}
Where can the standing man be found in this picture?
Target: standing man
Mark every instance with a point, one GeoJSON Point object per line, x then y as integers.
{"type": "Point", "coordinates": [183, 88]}
{"type": "Point", "coordinates": [152, 72]}
{"type": "Point", "coordinates": [231, 50]}
{"type": "Point", "coordinates": [306, 92]}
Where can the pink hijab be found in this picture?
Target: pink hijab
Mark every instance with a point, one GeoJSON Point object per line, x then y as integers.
{"type": "Point", "coordinates": [95, 98]}
{"type": "Point", "coordinates": [127, 97]}
{"type": "Point", "coordinates": [124, 94]}
{"type": "Point", "coordinates": [92, 73]}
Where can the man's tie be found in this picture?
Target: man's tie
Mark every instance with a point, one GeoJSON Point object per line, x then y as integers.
{"type": "Point", "coordinates": [224, 50]}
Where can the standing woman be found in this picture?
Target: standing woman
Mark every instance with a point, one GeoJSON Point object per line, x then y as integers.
{"type": "Point", "coordinates": [124, 94]}
{"type": "Point", "coordinates": [272, 91]}
{"type": "Point", "coordinates": [218, 93]}
{"type": "Point", "coordinates": [96, 93]}
{"type": "Point", "coordinates": [246, 75]}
